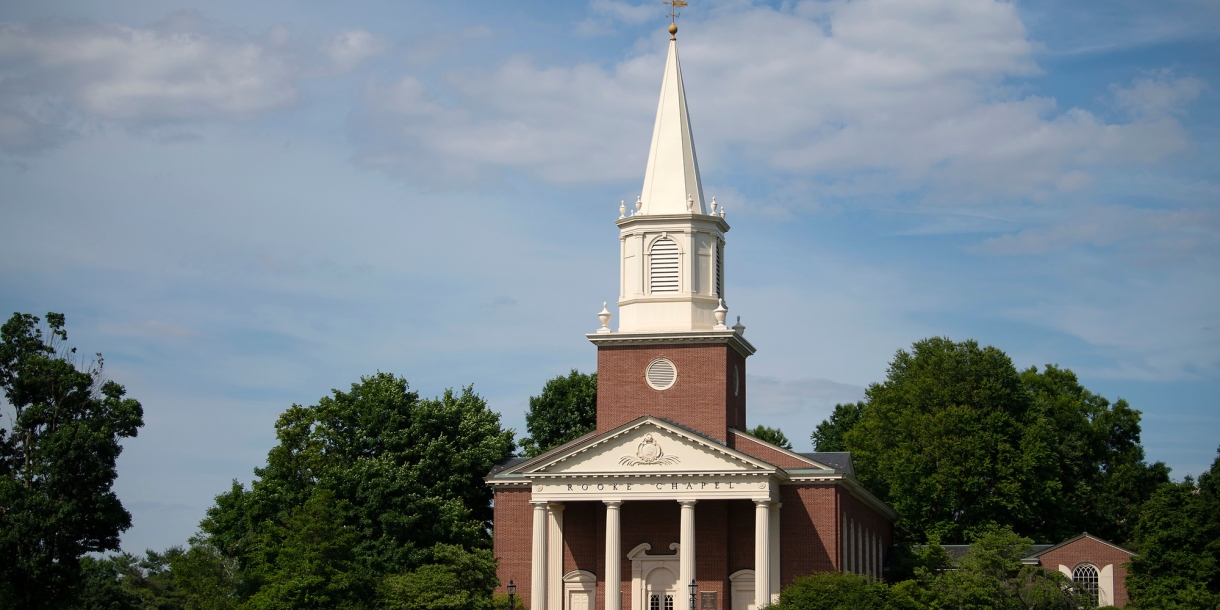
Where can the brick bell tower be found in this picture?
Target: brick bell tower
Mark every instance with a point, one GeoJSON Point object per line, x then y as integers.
{"type": "Point", "coordinates": [672, 356]}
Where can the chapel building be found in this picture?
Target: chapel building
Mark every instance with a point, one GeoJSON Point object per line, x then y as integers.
{"type": "Point", "coordinates": [668, 491]}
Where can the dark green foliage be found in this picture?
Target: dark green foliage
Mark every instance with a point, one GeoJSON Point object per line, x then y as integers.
{"type": "Point", "coordinates": [1178, 535]}
{"type": "Point", "coordinates": [103, 587]}
{"type": "Point", "coordinates": [956, 440]}
{"type": "Point", "coordinates": [127, 582]}
{"type": "Point", "coordinates": [990, 576]}
{"type": "Point", "coordinates": [775, 436]}
{"type": "Point", "coordinates": [58, 447]}
{"type": "Point", "coordinates": [455, 579]}
{"type": "Point", "coordinates": [835, 591]}
{"type": "Point", "coordinates": [205, 579]}
{"type": "Point", "coordinates": [364, 484]}
{"type": "Point", "coordinates": [828, 436]}
{"type": "Point", "coordinates": [566, 409]}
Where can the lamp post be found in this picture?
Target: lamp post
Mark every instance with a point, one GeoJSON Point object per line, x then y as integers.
{"type": "Point", "coordinates": [693, 588]}
{"type": "Point", "coordinates": [512, 595]}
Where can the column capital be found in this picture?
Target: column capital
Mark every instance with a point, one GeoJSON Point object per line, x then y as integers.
{"type": "Point", "coordinates": [539, 503]}
{"type": "Point", "coordinates": [556, 507]}
{"type": "Point", "coordinates": [765, 503]}
{"type": "Point", "coordinates": [612, 503]}
{"type": "Point", "coordinates": [688, 502]}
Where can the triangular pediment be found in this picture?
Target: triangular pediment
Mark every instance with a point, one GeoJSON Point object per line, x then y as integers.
{"type": "Point", "coordinates": [647, 446]}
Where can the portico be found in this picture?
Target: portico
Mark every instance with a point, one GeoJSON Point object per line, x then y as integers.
{"type": "Point", "coordinates": [649, 460]}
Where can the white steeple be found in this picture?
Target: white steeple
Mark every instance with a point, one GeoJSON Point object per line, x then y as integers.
{"type": "Point", "coordinates": [672, 249]}
{"type": "Point", "coordinates": [671, 178]}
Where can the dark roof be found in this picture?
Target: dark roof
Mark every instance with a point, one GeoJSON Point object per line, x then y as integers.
{"type": "Point", "coordinates": [958, 551]}
{"type": "Point", "coordinates": [839, 460]}
{"type": "Point", "coordinates": [505, 464]}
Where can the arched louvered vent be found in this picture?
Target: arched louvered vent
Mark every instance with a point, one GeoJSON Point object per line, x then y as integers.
{"type": "Point", "coordinates": [661, 374]}
{"type": "Point", "coordinates": [719, 270]}
{"type": "Point", "coordinates": [663, 268]}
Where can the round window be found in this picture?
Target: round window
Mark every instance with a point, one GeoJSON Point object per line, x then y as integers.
{"type": "Point", "coordinates": [661, 374]}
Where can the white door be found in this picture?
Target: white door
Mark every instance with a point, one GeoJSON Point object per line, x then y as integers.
{"type": "Point", "coordinates": [743, 599]}
{"type": "Point", "coordinates": [578, 600]}
{"type": "Point", "coordinates": [661, 590]}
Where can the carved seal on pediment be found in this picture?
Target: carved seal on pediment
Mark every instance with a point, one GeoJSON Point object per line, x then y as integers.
{"type": "Point", "coordinates": [648, 453]}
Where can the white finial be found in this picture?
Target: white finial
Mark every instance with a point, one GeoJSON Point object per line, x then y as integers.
{"type": "Point", "coordinates": [722, 212]}
{"type": "Point", "coordinates": [739, 327]}
{"type": "Point", "coordinates": [604, 316]}
{"type": "Point", "coordinates": [720, 312]}
{"type": "Point", "coordinates": [622, 208]}
{"type": "Point", "coordinates": [690, 203]}
{"type": "Point", "coordinates": [638, 203]}
{"type": "Point", "coordinates": [713, 206]}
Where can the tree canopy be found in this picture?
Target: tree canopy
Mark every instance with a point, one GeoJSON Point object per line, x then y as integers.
{"type": "Point", "coordinates": [828, 436]}
{"type": "Point", "coordinates": [58, 448]}
{"type": "Point", "coordinates": [365, 484]}
{"type": "Point", "coordinates": [956, 439]}
{"type": "Point", "coordinates": [1178, 536]}
{"type": "Point", "coordinates": [565, 410]}
{"type": "Point", "coordinates": [775, 436]}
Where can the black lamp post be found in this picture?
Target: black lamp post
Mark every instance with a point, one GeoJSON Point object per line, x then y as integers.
{"type": "Point", "coordinates": [512, 595]}
{"type": "Point", "coordinates": [693, 588]}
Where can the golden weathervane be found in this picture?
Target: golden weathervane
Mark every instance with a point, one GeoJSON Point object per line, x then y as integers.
{"type": "Point", "coordinates": [674, 5]}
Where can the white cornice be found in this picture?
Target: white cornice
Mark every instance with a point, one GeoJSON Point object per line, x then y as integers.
{"type": "Point", "coordinates": [734, 339]}
{"type": "Point", "coordinates": [676, 220]}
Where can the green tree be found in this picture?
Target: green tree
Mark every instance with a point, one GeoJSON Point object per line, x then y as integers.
{"type": "Point", "coordinates": [836, 591]}
{"type": "Point", "coordinates": [402, 475]}
{"type": "Point", "coordinates": [58, 448]}
{"type": "Point", "coordinates": [565, 410]}
{"type": "Point", "coordinates": [828, 436]}
{"type": "Point", "coordinates": [775, 436]}
{"type": "Point", "coordinates": [455, 579]}
{"type": "Point", "coordinates": [956, 439]}
{"type": "Point", "coordinates": [1178, 535]}
{"type": "Point", "coordinates": [205, 579]}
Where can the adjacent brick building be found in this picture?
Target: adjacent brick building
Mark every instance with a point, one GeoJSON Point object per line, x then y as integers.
{"type": "Point", "coordinates": [669, 497]}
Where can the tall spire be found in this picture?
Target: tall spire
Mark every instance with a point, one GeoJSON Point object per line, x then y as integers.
{"type": "Point", "coordinates": [671, 179]}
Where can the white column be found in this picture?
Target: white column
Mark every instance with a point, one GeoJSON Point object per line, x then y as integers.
{"type": "Point", "coordinates": [686, 553]}
{"type": "Point", "coordinates": [538, 559]}
{"type": "Point", "coordinates": [774, 547]}
{"type": "Point", "coordinates": [762, 554]}
{"type": "Point", "coordinates": [554, 561]}
{"type": "Point", "coordinates": [614, 556]}
{"type": "Point", "coordinates": [872, 554]}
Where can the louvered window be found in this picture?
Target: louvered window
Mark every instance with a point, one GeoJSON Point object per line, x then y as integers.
{"type": "Point", "coordinates": [719, 269]}
{"type": "Point", "coordinates": [661, 374]}
{"type": "Point", "coordinates": [663, 268]}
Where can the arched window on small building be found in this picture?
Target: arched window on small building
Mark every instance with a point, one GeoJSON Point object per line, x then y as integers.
{"type": "Point", "coordinates": [663, 266]}
{"type": "Point", "coordinates": [1085, 575]}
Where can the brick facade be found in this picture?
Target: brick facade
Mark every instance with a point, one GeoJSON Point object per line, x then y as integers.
{"type": "Point", "coordinates": [1087, 549]}
{"type": "Point", "coordinates": [702, 399]}
{"type": "Point", "coordinates": [513, 539]}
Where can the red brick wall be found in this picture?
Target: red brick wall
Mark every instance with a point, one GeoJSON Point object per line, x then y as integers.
{"type": "Point", "coordinates": [1087, 550]}
{"type": "Point", "coordinates": [808, 533]}
{"type": "Point", "coordinates": [513, 532]}
{"type": "Point", "coordinates": [864, 516]}
{"type": "Point", "coordinates": [701, 399]}
{"type": "Point", "coordinates": [584, 538]}
{"type": "Point", "coordinates": [764, 452]}
{"type": "Point", "coordinates": [655, 522]}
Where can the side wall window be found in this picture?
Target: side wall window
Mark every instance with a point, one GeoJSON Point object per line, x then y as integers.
{"type": "Point", "coordinates": [1085, 575]}
{"type": "Point", "coordinates": [663, 266]}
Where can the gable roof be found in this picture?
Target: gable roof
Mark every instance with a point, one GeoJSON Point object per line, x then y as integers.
{"type": "Point", "coordinates": [519, 467]}
{"type": "Point", "coordinates": [1034, 558]}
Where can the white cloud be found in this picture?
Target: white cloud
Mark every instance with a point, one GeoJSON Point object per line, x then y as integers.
{"type": "Point", "coordinates": [62, 76]}
{"type": "Point", "coordinates": [885, 96]}
{"type": "Point", "coordinates": [1158, 94]}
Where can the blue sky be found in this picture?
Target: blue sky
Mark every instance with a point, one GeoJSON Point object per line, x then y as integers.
{"type": "Point", "coordinates": [246, 205]}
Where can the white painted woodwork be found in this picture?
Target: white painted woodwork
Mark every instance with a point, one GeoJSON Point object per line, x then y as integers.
{"type": "Point", "coordinates": [554, 572]}
{"type": "Point", "coordinates": [686, 547]}
{"type": "Point", "coordinates": [762, 554]}
{"type": "Point", "coordinates": [614, 539]}
{"type": "Point", "coordinates": [538, 561]}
